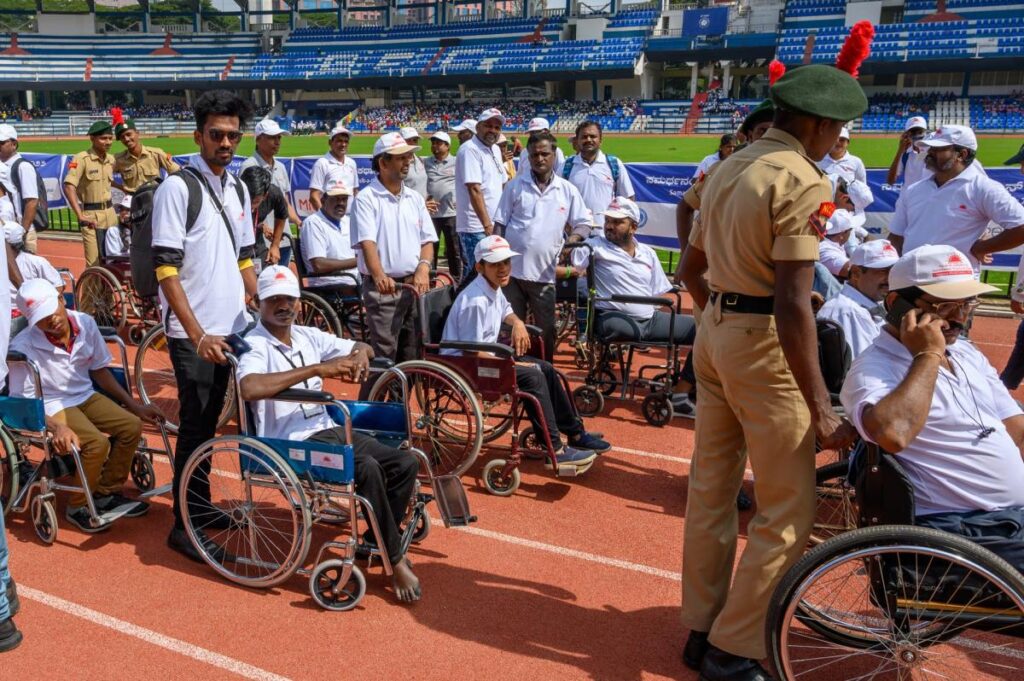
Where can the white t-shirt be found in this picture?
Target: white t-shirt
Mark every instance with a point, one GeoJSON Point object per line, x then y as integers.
{"type": "Point", "coordinates": [476, 315]}
{"type": "Point", "coordinates": [524, 161]}
{"type": "Point", "coordinates": [477, 163]}
{"type": "Point", "coordinates": [35, 267]}
{"type": "Point", "coordinates": [951, 468]}
{"type": "Point", "coordinates": [64, 376]}
{"type": "Point", "coordinates": [209, 271]}
{"type": "Point", "coordinates": [5, 317]}
{"type": "Point", "coordinates": [535, 223]}
{"type": "Point", "coordinates": [7, 209]}
{"type": "Point", "coordinates": [832, 256]}
{"type": "Point", "coordinates": [322, 172]}
{"type": "Point", "coordinates": [849, 167]}
{"type": "Point", "coordinates": [617, 273]}
{"type": "Point", "coordinates": [914, 170]}
{"type": "Point", "coordinates": [955, 214]}
{"type": "Point", "coordinates": [596, 183]}
{"type": "Point", "coordinates": [322, 238]}
{"type": "Point", "coordinates": [860, 317]}
{"type": "Point", "coordinates": [279, 178]}
{"type": "Point", "coordinates": [416, 179]}
{"type": "Point", "coordinates": [29, 184]}
{"type": "Point", "coordinates": [290, 420]}
{"type": "Point", "coordinates": [398, 224]}
{"type": "Point", "coordinates": [706, 164]}
{"type": "Point", "coordinates": [113, 244]}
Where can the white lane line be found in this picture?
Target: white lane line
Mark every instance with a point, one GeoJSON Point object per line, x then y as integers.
{"type": "Point", "coordinates": [149, 636]}
{"type": "Point", "coordinates": [747, 475]}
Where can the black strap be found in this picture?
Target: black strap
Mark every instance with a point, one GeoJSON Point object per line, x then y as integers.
{"type": "Point", "coordinates": [302, 361]}
{"type": "Point", "coordinates": [216, 202]}
{"type": "Point", "coordinates": [744, 304]}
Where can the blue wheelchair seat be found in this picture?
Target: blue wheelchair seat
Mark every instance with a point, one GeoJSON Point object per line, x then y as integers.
{"type": "Point", "coordinates": [322, 461]}
{"type": "Point", "coordinates": [23, 413]}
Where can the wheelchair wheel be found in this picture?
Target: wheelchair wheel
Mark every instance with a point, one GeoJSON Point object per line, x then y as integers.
{"type": "Point", "coordinates": [446, 420]}
{"type": "Point", "coordinates": [497, 419]}
{"type": "Point", "coordinates": [422, 529]}
{"type": "Point", "coordinates": [897, 602]}
{"type": "Point", "coordinates": [337, 585]}
{"type": "Point", "coordinates": [588, 400]}
{"type": "Point", "coordinates": [565, 320]}
{"type": "Point", "coordinates": [44, 519]}
{"type": "Point", "coordinates": [657, 409]}
{"type": "Point", "coordinates": [836, 508]}
{"type": "Point", "coordinates": [496, 484]}
{"type": "Point", "coordinates": [605, 380]}
{"type": "Point", "coordinates": [142, 472]}
{"type": "Point", "coordinates": [256, 519]}
{"type": "Point", "coordinates": [99, 294]}
{"type": "Point", "coordinates": [10, 471]}
{"type": "Point", "coordinates": [530, 445]}
{"type": "Point", "coordinates": [316, 312]}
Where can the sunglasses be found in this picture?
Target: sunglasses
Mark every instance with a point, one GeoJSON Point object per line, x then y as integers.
{"type": "Point", "coordinates": [219, 135]}
{"type": "Point", "coordinates": [948, 308]}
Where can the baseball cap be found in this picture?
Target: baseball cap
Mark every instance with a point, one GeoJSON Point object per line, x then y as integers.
{"type": "Point", "coordinates": [14, 233]}
{"type": "Point", "coordinates": [37, 300]}
{"type": "Point", "coordinates": [270, 127]}
{"type": "Point", "coordinates": [468, 124]}
{"type": "Point", "coordinates": [488, 114]}
{"type": "Point", "coordinates": [392, 143]}
{"type": "Point", "coordinates": [915, 122]}
{"type": "Point", "coordinates": [1018, 158]}
{"type": "Point", "coordinates": [861, 195]}
{"type": "Point", "coordinates": [948, 135]}
{"type": "Point", "coordinates": [537, 124]}
{"type": "Point", "coordinates": [335, 184]}
{"type": "Point", "coordinates": [125, 202]}
{"type": "Point", "coordinates": [941, 271]}
{"type": "Point", "coordinates": [339, 129]}
{"type": "Point", "coordinates": [493, 249]}
{"type": "Point", "coordinates": [844, 134]}
{"type": "Point", "coordinates": [442, 136]}
{"type": "Point", "coordinates": [408, 133]}
{"type": "Point", "coordinates": [502, 139]}
{"type": "Point", "coordinates": [842, 221]}
{"type": "Point", "coordinates": [277, 281]}
{"type": "Point", "coordinates": [621, 207]}
{"type": "Point", "coordinates": [875, 255]}
{"type": "Point", "coordinates": [8, 132]}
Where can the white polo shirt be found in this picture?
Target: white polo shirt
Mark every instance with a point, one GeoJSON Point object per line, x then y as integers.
{"type": "Point", "coordinates": [5, 318]}
{"type": "Point", "coordinates": [323, 238]}
{"type": "Point", "coordinates": [618, 273]}
{"type": "Point", "coordinates": [524, 160]}
{"type": "Point", "coordinates": [476, 163]}
{"type": "Point", "coordinates": [476, 315]}
{"type": "Point", "coordinates": [65, 377]}
{"type": "Point", "coordinates": [279, 178]}
{"type": "Point", "coordinates": [595, 181]}
{"type": "Point", "coordinates": [416, 179]}
{"type": "Point", "coordinates": [955, 214]}
{"type": "Point", "coordinates": [951, 468]}
{"type": "Point", "coordinates": [860, 317]}
{"type": "Point", "coordinates": [36, 267]}
{"type": "Point", "coordinates": [849, 167]}
{"type": "Point", "coordinates": [29, 187]}
{"type": "Point", "coordinates": [209, 271]}
{"type": "Point", "coordinates": [399, 225]}
{"type": "Point", "coordinates": [535, 223]}
{"type": "Point", "coordinates": [914, 170]}
{"type": "Point", "coordinates": [290, 420]}
{"type": "Point", "coordinates": [322, 170]}
{"type": "Point", "coordinates": [832, 256]}
{"type": "Point", "coordinates": [706, 164]}
{"type": "Point", "coordinates": [113, 244]}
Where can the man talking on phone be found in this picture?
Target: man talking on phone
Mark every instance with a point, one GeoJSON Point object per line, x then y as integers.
{"type": "Point", "coordinates": [926, 395]}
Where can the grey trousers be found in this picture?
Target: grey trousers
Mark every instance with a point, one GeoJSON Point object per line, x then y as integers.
{"type": "Point", "coordinates": [391, 322]}
{"type": "Point", "coordinates": [539, 299]}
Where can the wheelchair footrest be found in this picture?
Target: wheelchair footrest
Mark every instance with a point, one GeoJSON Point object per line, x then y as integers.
{"type": "Point", "coordinates": [452, 502]}
{"type": "Point", "coordinates": [156, 491]}
{"type": "Point", "coordinates": [568, 470]}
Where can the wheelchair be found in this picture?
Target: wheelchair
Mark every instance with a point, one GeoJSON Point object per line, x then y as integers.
{"type": "Point", "coordinates": [892, 600]}
{"type": "Point", "coordinates": [346, 318]}
{"type": "Point", "coordinates": [104, 291]}
{"type": "Point", "coordinates": [23, 425]}
{"type": "Point", "coordinates": [275, 491]}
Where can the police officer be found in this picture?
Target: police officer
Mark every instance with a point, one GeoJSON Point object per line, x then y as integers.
{"type": "Point", "coordinates": [137, 164]}
{"type": "Point", "coordinates": [759, 382]}
{"type": "Point", "coordinates": [87, 188]}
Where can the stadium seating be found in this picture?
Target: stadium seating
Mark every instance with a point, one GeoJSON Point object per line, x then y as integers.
{"type": "Point", "coordinates": [424, 35]}
{"type": "Point", "coordinates": [814, 13]}
{"type": "Point", "coordinates": [989, 114]}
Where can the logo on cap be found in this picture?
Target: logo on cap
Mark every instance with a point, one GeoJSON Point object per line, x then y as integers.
{"type": "Point", "coordinates": [955, 265]}
{"type": "Point", "coordinates": [889, 249]}
{"type": "Point", "coordinates": [497, 243]}
{"type": "Point", "coordinates": [280, 275]}
{"type": "Point", "coordinates": [826, 209]}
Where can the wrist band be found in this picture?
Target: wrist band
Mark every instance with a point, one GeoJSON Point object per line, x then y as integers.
{"type": "Point", "coordinates": [201, 339]}
{"type": "Point", "coordinates": [424, 262]}
{"type": "Point", "coordinates": [930, 352]}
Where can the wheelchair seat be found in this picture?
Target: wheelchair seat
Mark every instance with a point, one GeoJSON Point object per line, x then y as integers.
{"type": "Point", "coordinates": [834, 356]}
{"type": "Point", "coordinates": [435, 305]}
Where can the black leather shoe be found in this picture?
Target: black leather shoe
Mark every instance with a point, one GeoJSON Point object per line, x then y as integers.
{"type": "Point", "coordinates": [179, 541]}
{"type": "Point", "coordinates": [10, 637]}
{"type": "Point", "coordinates": [719, 665]}
{"type": "Point", "coordinates": [743, 501]}
{"type": "Point", "coordinates": [696, 647]}
{"type": "Point", "coordinates": [13, 602]}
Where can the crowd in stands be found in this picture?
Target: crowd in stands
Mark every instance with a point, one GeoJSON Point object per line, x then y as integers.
{"type": "Point", "coordinates": [906, 105]}
{"type": "Point", "coordinates": [17, 113]}
{"type": "Point", "coordinates": [308, 127]}
{"type": "Point", "coordinates": [612, 107]}
{"type": "Point", "coordinates": [1008, 104]}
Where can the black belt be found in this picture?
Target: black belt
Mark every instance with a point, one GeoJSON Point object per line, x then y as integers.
{"type": "Point", "coordinates": [737, 302]}
{"type": "Point", "coordinates": [102, 205]}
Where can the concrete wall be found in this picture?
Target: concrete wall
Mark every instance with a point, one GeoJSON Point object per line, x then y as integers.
{"type": "Point", "coordinates": [67, 24]}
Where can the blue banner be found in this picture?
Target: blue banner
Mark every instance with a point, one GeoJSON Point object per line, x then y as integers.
{"type": "Point", "coordinates": [51, 167]}
{"type": "Point", "coordinates": [707, 21]}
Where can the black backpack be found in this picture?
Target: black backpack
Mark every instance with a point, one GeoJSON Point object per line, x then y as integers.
{"type": "Point", "coordinates": [141, 249]}
{"type": "Point", "coordinates": [42, 220]}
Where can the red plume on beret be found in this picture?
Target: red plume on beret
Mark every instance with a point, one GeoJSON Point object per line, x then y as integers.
{"type": "Point", "coordinates": [117, 115]}
{"type": "Point", "coordinates": [776, 70]}
{"type": "Point", "coordinates": [856, 48]}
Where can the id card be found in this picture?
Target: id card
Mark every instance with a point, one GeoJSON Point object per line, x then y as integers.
{"type": "Point", "coordinates": [312, 410]}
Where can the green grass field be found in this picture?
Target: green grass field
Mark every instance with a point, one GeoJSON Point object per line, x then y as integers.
{"type": "Point", "coordinates": [876, 151]}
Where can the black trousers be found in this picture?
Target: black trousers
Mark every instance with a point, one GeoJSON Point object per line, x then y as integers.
{"type": "Point", "coordinates": [612, 325]}
{"type": "Point", "coordinates": [541, 381]}
{"type": "Point", "coordinates": [385, 477]}
{"type": "Point", "coordinates": [539, 299]}
{"type": "Point", "coordinates": [452, 247]}
{"type": "Point", "coordinates": [202, 386]}
{"type": "Point", "coordinates": [1001, 532]}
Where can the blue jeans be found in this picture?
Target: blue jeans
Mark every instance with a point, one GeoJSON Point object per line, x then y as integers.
{"type": "Point", "coordinates": [824, 283]}
{"type": "Point", "coordinates": [5, 573]}
{"type": "Point", "coordinates": [469, 240]}
{"type": "Point", "coordinates": [1013, 374]}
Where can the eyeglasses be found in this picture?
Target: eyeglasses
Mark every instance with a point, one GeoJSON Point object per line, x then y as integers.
{"type": "Point", "coordinates": [219, 135]}
{"type": "Point", "coordinates": [948, 308]}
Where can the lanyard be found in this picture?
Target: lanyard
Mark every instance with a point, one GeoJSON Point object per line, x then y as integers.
{"type": "Point", "coordinates": [302, 362]}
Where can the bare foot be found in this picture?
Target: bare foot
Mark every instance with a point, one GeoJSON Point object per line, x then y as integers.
{"type": "Point", "coordinates": [407, 585]}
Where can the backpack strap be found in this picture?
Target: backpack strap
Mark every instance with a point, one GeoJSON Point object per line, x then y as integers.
{"type": "Point", "coordinates": [16, 178]}
{"type": "Point", "coordinates": [567, 167]}
{"type": "Point", "coordinates": [613, 163]}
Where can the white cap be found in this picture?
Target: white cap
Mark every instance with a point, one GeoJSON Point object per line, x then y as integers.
{"type": "Point", "coordinates": [537, 124]}
{"type": "Point", "coordinates": [860, 194]}
{"type": "Point", "coordinates": [125, 202]}
{"type": "Point", "coordinates": [7, 132]}
{"type": "Point", "coordinates": [915, 122]}
{"type": "Point", "coordinates": [502, 139]}
{"type": "Point", "coordinates": [335, 183]}
{"type": "Point", "coordinates": [875, 255]}
{"type": "Point", "coordinates": [442, 136]}
{"type": "Point", "coordinates": [844, 134]}
{"type": "Point", "coordinates": [488, 114]}
{"type": "Point", "coordinates": [948, 135]}
{"type": "Point", "coordinates": [594, 219]}
{"type": "Point", "coordinates": [941, 271]}
{"type": "Point", "coordinates": [467, 125]}
{"type": "Point", "coordinates": [37, 300]}
{"type": "Point", "coordinates": [339, 129]}
{"type": "Point", "coordinates": [493, 249]}
{"type": "Point", "coordinates": [277, 281]}
{"type": "Point", "coordinates": [409, 133]}
{"type": "Point", "coordinates": [14, 233]}
{"type": "Point", "coordinates": [621, 207]}
{"type": "Point", "coordinates": [843, 221]}
{"type": "Point", "coordinates": [393, 144]}
{"type": "Point", "coordinates": [269, 127]}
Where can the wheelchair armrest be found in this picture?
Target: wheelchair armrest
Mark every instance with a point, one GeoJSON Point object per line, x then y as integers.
{"type": "Point", "coordinates": [108, 332]}
{"type": "Point", "coordinates": [346, 275]}
{"type": "Point", "coordinates": [640, 300]}
{"type": "Point", "coordinates": [301, 395]}
{"type": "Point", "coordinates": [534, 330]}
{"type": "Point", "coordinates": [381, 363]}
{"type": "Point", "coordinates": [498, 349]}
{"type": "Point", "coordinates": [15, 356]}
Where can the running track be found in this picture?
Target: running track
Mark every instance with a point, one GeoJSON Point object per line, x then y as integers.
{"type": "Point", "coordinates": [568, 579]}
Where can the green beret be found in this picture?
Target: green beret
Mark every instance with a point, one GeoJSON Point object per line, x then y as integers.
{"type": "Point", "coordinates": [820, 90]}
{"type": "Point", "coordinates": [120, 128]}
{"type": "Point", "coordinates": [762, 112]}
{"type": "Point", "coordinates": [99, 128]}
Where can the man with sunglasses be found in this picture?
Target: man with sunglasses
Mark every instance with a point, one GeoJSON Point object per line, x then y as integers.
{"type": "Point", "coordinates": [929, 397]}
{"type": "Point", "coordinates": [205, 271]}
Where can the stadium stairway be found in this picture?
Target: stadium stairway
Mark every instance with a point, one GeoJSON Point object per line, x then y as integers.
{"type": "Point", "coordinates": [695, 113]}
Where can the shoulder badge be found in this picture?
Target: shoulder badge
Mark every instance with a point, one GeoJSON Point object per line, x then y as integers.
{"type": "Point", "coordinates": [820, 217]}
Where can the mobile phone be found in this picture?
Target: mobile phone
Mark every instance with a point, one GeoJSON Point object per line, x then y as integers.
{"type": "Point", "coordinates": [900, 307]}
{"type": "Point", "coordinates": [239, 346]}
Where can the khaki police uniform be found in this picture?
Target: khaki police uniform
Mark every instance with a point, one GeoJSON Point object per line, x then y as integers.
{"type": "Point", "coordinates": [92, 178]}
{"type": "Point", "coordinates": [758, 207]}
{"type": "Point", "coordinates": [137, 170]}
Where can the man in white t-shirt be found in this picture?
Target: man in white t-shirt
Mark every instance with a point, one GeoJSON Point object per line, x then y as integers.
{"type": "Point", "coordinates": [928, 396]}
{"type": "Point", "coordinates": [327, 244]}
{"type": "Point", "coordinates": [30, 265]}
{"type": "Point", "coordinates": [465, 131]}
{"type": "Point", "coordinates": [957, 203]}
{"type": "Point", "coordinates": [858, 307]}
{"type": "Point", "coordinates": [117, 240]}
{"type": "Point", "coordinates": [598, 176]}
{"type": "Point", "coordinates": [24, 183]}
{"type": "Point", "coordinates": [416, 180]}
{"type": "Point", "coordinates": [540, 125]}
{"type": "Point", "coordinates": [909, 159]}
{"type": "Point", "coordinates": [479, 177]}
{"type": "Point", "coordinates": [336, 156]}
{"type": "Point", "coordinates": [726, 145]}
{"type": "Point", "coordinates": [839, 161]}
{"type": "Point", "coordinates": [831, 253]}
{"type": "Point", "coordinates": [10, 604]}
{"type": "Point", "coordinates": [277, 246]}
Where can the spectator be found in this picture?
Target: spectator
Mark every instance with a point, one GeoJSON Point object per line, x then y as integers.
{"type": "Point", "coordinates": [841, 162]}
{"type": "Point", "coordinates": [726, 145]}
